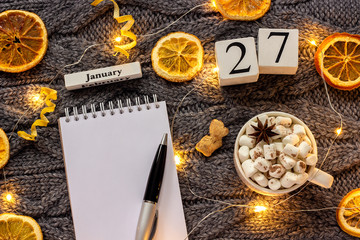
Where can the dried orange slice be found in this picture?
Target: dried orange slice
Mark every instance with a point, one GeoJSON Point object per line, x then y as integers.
{"type": "Point", "coordinates": [348, 213]}
{"type": "Point", "coordinates": [14, 226]}
{"type": "Point", "coordinates": [4, 149]}
{"type": "Point", "coordinates": [177, 57]}
{"type": "Point", "coordinates": [339, 57]}
{"type": "Point", "coordinates": [245, 10]}
{"type": "Point", "coordinates": [23, 40]}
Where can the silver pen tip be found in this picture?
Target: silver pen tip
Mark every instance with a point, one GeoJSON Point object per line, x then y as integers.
{"type": "Point", "coordinates": [164, 139]}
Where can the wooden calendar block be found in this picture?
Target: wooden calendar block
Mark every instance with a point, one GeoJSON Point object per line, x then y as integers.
{"type": "Point", "coordinates": [278, 51]}
{"type": "Point", "coordinates": [237, 61]}
{"type": "Point", "coordinates": [101, 76]}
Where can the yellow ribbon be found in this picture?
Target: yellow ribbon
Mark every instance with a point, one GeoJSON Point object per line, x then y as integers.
{"type": "Point", "coordinates": [50, 94]}
{"type": "Point", "coordinates": [124, 30]}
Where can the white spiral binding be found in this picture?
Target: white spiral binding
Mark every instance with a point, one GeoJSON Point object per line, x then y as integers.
{"type": "Point", "coordinates": [156, 101]}
{"type": "Point", "coordinates": [147, 103]}
{"type": "Point", "coordinates": [129, 105]}
{"type": "Point", "coordinates": [76, 115]}
{"type": "Point", "coordinates": [84, 112]}
{"type": "Point", "coordinates": [120, 106]}
{"type": "Point", "coordinates": [93, 110]}
{"type": "Point", "coordinates": [111, 108]}
{"type": "Point", "coordinates": [137, 101]}
{"type": "Point", "coordinates": [103, 111]}
{"type": "Point", "coordinates": [67, 115]}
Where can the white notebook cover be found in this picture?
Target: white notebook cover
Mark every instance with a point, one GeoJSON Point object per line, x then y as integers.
{"type": "Point", "coordinates": [107, 162]}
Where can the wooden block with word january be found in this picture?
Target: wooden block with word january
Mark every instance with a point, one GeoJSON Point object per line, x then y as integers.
{"type": "Point", "coordinates": [278, 51]}
{"type": "Point", "coordinates": [103, 76]}
{"type": "Point", "coordinates": [237, 61]}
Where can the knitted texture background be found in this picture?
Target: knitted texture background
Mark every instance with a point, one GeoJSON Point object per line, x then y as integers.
{"type": "Point", "coordinates": [36, 172]}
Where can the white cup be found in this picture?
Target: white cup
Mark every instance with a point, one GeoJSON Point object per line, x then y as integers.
{"type": "Point", "coordinates": [316, 176]}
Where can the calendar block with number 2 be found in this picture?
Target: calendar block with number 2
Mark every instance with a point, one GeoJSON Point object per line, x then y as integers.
{"type": "Point", "coordinates": [278, 51]}
{"type": "Point", "coordinates": [237, 61]}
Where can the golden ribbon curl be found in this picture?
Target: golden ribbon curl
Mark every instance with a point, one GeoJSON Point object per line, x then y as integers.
{"type": "Point", "coordinates": [50, 94]}
{"type": "Point", "coordinates": [124, 30]}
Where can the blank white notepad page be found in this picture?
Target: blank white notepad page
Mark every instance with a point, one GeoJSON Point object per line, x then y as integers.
{"type": "Point", "coordinates": [107, 161]}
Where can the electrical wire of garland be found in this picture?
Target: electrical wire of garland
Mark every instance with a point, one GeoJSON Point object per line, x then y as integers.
{"type": "Point", "coordinates": [288, 198]}
{"type": "Point", "coordinates": [229, 205]}
{"type": "Point", "coordinates": [79, 61]}
{"type": "Point", "coordinates": [7, 192]}
{"type": "Point", "coordinates": [102, 44]}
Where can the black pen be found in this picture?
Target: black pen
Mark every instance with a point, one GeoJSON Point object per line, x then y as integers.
{"type": "Point", "coordinates": [148, 216]}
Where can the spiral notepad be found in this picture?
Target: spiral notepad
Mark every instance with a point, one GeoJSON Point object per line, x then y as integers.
{"type": "Point", "coordinates": [108, 156]}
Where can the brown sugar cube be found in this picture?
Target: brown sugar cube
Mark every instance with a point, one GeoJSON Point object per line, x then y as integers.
{"type": "Point", "coordinates": [209, 143]}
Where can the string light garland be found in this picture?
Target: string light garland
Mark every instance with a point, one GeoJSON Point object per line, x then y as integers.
{"type": "Point", "coordinates": [338, 131]}
{"type": "Point", "coordinates": [177, 160]}
{"type": "Point", "coordinates": [310, 41]}
{"type": "Point", "coordinates": [37, 98]}
{"type": "Point", "coordinates": [9, 201]}
{"type": "Point", "coordinates": [213, 3]}
{"type": "Point", "coordinates": [9, 197]}
{"type": "Point", "coordinates": [313, 42]}
{"type": "Point", "coordinates": [260, 208]}
{"type": "Point", "coordinates": [178, 19]}
{"type": "Point", "coordinates": [125, 30]}
{"type": "Point", "coordinates": [117, 48]}
{"type": "Point", "coordinates": [215, 70]}
{"type": "Point", "coordinates": [118, 39]}
{"type": "Point", "coordinates": [51, 95]}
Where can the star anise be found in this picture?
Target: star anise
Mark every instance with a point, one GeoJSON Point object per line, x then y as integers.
{"type": "Point", "coordinates": [263, 132]}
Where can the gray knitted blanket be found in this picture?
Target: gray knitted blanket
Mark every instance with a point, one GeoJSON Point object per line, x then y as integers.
{"type": "Point", "coordinates": [36, 172]}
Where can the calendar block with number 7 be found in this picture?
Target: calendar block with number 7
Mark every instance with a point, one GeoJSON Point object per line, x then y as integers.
{"type": "Point", "coordinates": [278, 51]}
{"type": "Point", "coordinates": [237, 61]}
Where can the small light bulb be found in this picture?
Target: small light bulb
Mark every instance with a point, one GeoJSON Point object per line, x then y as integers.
{"type": "Point", "coordinates": [338, 131]}
{"type": "Point", "coordinates": [177, 159]}
{"type": "Point", "coordinates": [118, 39]}
{"type": "Point", "coordinates": [313, 42]}
{"type": "Point", "coordinates": [36, 98]}
{"type": "Point", "coordinates": [213, 3]}
{"type": "Point", "coordinates": [9, 197]}
{"type": "Point", "coordinates": [216, 69]}
{"type": "Point", "coordinates": [259, 208]}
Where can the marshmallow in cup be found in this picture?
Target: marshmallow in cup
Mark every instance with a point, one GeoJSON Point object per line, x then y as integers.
{"type": "Point", "coordinates": [302, 147]}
